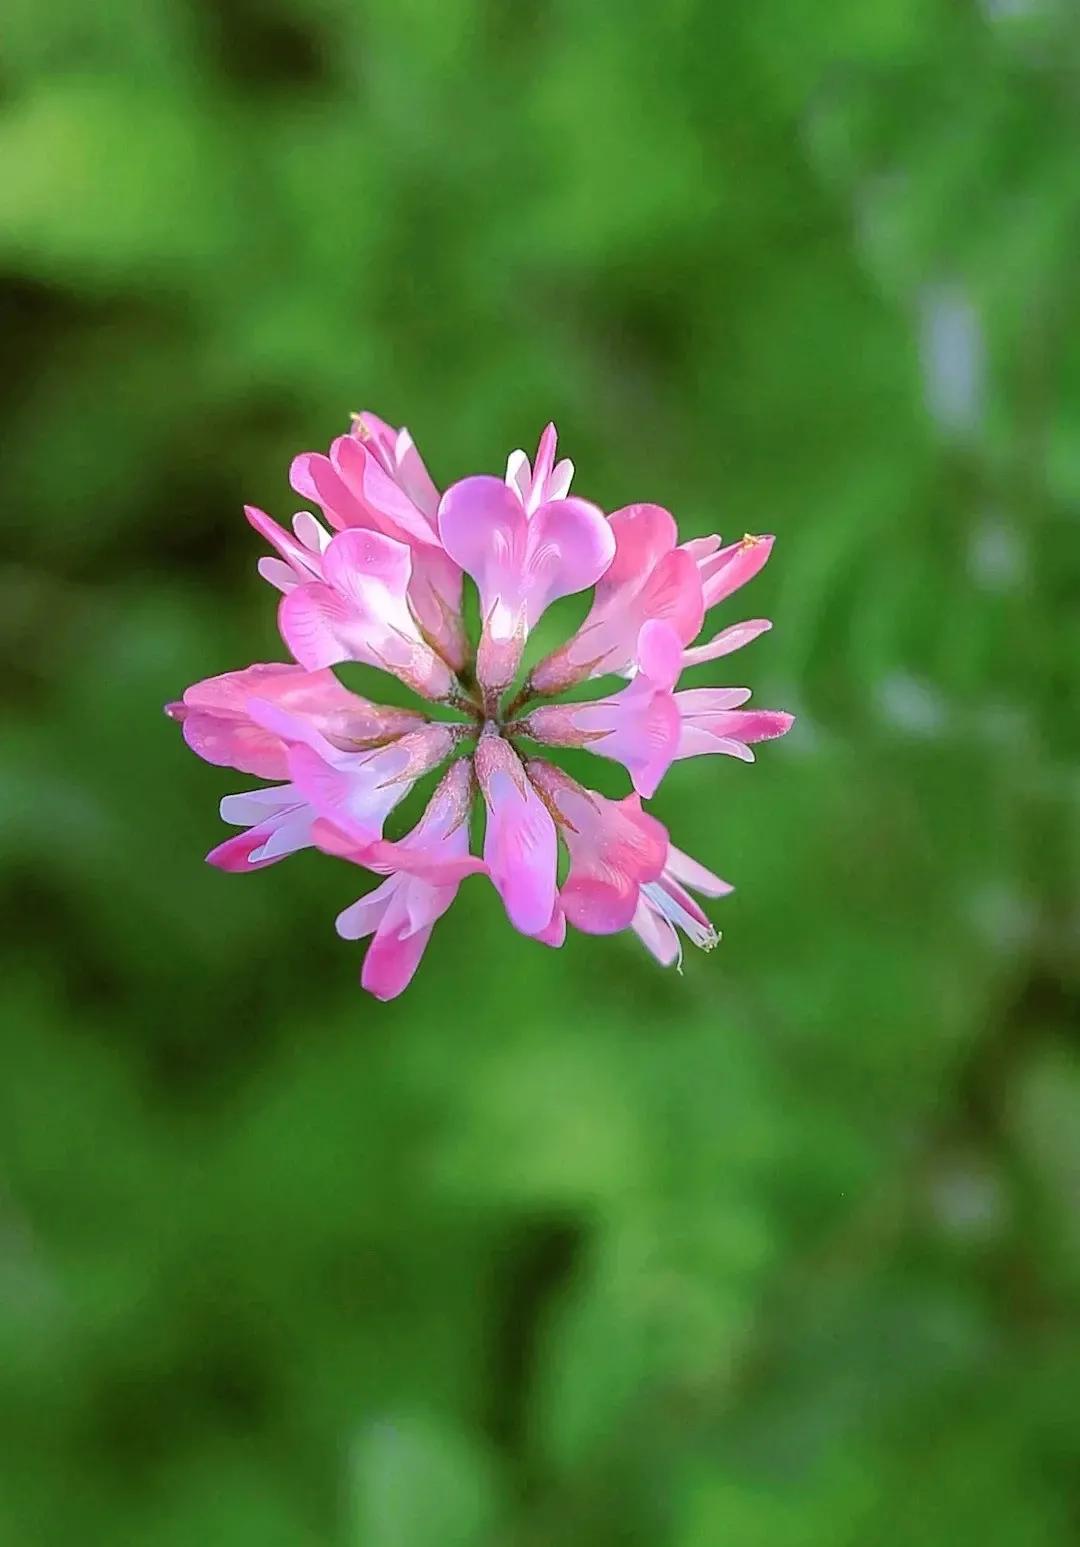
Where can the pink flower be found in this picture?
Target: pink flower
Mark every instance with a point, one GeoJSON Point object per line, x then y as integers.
{"type": "Point", "coordinates": [639, 727]}
{"type": "Point", "coordinates": [359, 611]}
{"type": "Point", "coordinates": [250, 720]}
{"type": "Point", "coordinates": [375, 479]}
{"type": "Point", "coordinates": [394, 452]}
{"type": "Point", "coordinates": [649, 578]}
{"type": "Point", "coordinates": [378, 580]}
{"type": "Point", "coordinates": [219, 727]}
{"type": "Point", "coordinates": [355, 790]}
{"type": "Point", "coordinates": [665, 906]}
{"type": "Point", "coordinates": [300, 555]}
{"type": "Point", "coordinates": [423, 870]}
{"type": "Point", "coordinates": [525, 542]}
{"type": "Point", "coordinates": [615, 849]}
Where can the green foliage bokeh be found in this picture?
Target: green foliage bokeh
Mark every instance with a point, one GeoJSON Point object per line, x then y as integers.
{"type": "Point", "coordinates": [559, 1248]}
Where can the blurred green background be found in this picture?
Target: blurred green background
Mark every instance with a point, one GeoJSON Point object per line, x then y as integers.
{"type": "Point", "coordinates": [557, 1249]}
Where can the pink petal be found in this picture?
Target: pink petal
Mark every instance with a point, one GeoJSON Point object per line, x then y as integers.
{"type": "Point", "coordinates": [279, 824]}
{"type": "Point", "coordinates": [391, 962]}
{"type": "Point", "coordinates": [437, 849]}
{"type": "Point", "coordinates": [694, 702]}
{"type": "Point", "coordinates": [218, 728]}
{"type": "Point", "coordinates": [277, 573]}
{"type": "Point", "coordinates": [727, 641]}
{"type": "Point", "coordinates": [362, 614]}
{"type": "Point", "coordinates": [599, 907]}
{"type": "Point", "coordinates": [615, 848]}
{"type": "Point", "coordinates": [244, 719]}
{"type": "Point", "coordinates": [414, 478]}
{"type": "Point", "coordinates": [253, 807]}
{"type": "Point", "coordinates": [758, 724]}
{"type": "Point", "coordinates": [555, 934]}
{"type": "Point", "coordinates": [673, 593]}
{"type": "Point", "coordinates": [733, 567]}
{"type": "Point", "coordinates": [484, 529]}
{"type": "Point", "coordinates": [520, 845]}
{"type": "Point", "coordinates": [363, 917]}
{"type": "Point", "coordinates": [300, 476]}
{"type": "Point", "coordinates": [342, 505]}
{"type": "Point", "coordinates": [659, 653]}
{"type": "Point", "coordinates": [648, 580]}
{"type": "Point", "coordinates": [354, 799]}
{"type": "Point", "coordinates": [701, 547]}
{"type": "Point", "coordinates": [318, 626]}
{"type": "Point", "coordinates": [729, 731]}
{"type": "Point", "coordinates": [359, 560]}
{"type": "Point", "coordinates": [639, 728]}
{"type": "Point", "coordinates": [570, 545]}
{"type": "Point", "coordinates": [695, 741]}
{"type": "Point", "coordinates": [301, 561]}
{"type": "Point", "coordinates": [397, 455]}
{"type": "Point", "coordinates": [690, 873]}
{"type": "Point", "coordinates": [545, 461]}
{"type": "Point", "coordinates": [376, 492]}
{"type": "Point", "coordinates": [643, 535]}
{"type": "Point", "coordinates": [655, 933]}
{"type": "Point", "coordinates": [235, 853]}
{"type": "Point", "coordinates": [435, 598]}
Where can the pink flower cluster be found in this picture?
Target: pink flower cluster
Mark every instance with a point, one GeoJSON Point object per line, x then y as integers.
{"type": "Point", "coordinates": [379, 580]}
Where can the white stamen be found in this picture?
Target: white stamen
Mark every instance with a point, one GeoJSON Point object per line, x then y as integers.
{"type": "Point", "coordinates": [702, 935]}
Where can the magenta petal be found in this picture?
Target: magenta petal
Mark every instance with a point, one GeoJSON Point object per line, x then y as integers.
{"type": "Point", "coordinates": [235, 853]}
{"type": "Point", "coordinates": [758, 724]}
{"type": "Point", "coordinates": [391, 962]}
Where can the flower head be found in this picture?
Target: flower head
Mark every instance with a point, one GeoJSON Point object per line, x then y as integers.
{"type": "Point", "coordinates": [376, 578]}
